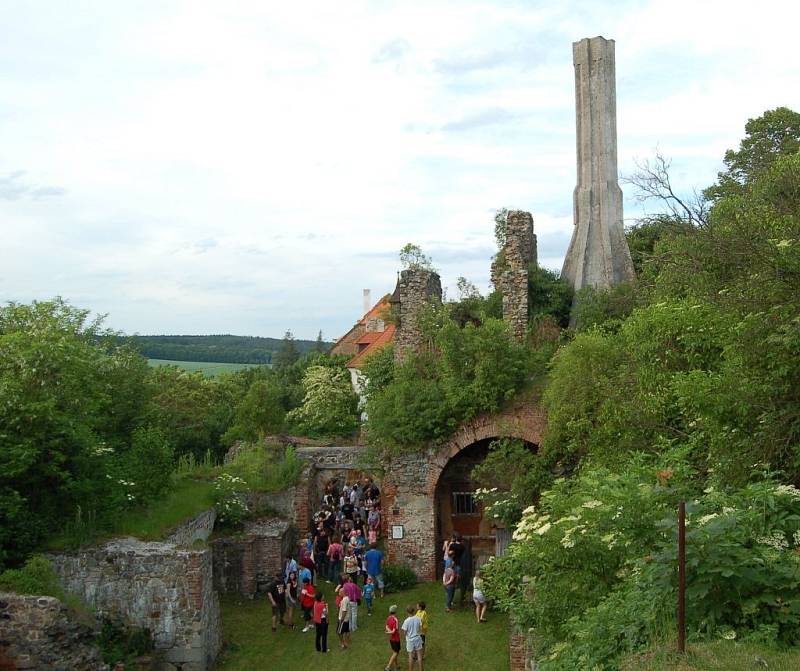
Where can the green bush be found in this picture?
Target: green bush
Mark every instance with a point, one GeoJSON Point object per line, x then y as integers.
{"type": "Point", "coordinates": [147, 465]}
{"type": "Point", "coordinates": [398, 577]}
{"type": "Point", "coordinates": [36, 577]}
{"type": "Point", "coordinates": [600, 552]}
{"type": "Point", "coordinates": [121, 643]}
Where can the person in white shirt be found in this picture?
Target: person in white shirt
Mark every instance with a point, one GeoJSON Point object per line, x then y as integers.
{"type": "Point", "coordinates": [412, 628]}
{"type": "Point", "coordinates": [343, 630]}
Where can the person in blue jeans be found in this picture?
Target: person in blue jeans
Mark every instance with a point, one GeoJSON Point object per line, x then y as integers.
{"type": "Point", "coordinates": [374, 561]}
{"type": "Point", "coordinates": [449, 580]}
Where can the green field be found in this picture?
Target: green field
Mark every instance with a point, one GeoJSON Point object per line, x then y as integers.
{"type": "Point", "coordinates": [208, 368]}
{"type": "Point", "coordinates": [456, 642]}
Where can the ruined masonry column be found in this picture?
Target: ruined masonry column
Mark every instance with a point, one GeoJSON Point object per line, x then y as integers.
{"type": "Point", "coordinates": [510, 269]}
{"type": "Point", "coordinates": [417, 288]}
{"type": "Point", "coordinates": [598, 254]}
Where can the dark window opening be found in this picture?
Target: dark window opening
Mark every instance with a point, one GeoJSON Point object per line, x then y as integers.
{"type": "Point", "coordinates": [464, 504]}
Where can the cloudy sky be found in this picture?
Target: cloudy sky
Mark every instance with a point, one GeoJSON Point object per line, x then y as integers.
{"type": "Point", "coordinates": [249, 167]}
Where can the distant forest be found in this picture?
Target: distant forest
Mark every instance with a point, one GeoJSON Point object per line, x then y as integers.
{"type": "Point", "coordinates": [218, 348]}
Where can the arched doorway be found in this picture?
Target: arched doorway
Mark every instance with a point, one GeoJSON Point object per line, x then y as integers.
{"type": "Point", "coordinates": [457, 510]}
{"type": "Point", "coordinates": [413, 487]}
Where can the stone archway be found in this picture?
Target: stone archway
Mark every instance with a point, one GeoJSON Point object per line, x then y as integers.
{"type": "Point", "coordinates": [410, 484]}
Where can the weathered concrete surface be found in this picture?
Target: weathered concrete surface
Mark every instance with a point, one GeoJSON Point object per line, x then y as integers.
{"type": "Point", "coordinates": [156, 586]}
{"type": "Point", "coordinates": [197, 529]}
{"type": "Point", "coordinates": [510, 269]}
{"type": "Point", "coordinates": [38, 632]}
{"type": "Point", "coordinates": [598, 254]}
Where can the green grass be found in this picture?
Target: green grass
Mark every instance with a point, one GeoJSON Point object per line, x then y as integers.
{"type": "Point", "coordinates": [207, 368]}
{"type": "Point", "coordinates": [716, 656]}
{"type": "Point", "coordinates": [455, 641]}
{"type": "Point", "coordinates": [186, 498]}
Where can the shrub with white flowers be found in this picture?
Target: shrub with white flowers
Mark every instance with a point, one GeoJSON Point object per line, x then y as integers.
{"type": "Point", "coordinates": [229, 499]}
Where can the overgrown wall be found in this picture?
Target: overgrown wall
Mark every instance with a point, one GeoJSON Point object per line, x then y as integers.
{"type": "Point", "coordinates": [157, 586]}
{"type": "Point", "coordinates": [38, 632]}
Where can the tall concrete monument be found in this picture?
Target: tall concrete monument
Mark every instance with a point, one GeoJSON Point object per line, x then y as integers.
{"type": "Point", "coordinates": [598, 254]}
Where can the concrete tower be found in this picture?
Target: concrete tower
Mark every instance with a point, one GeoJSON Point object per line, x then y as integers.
{"type": "Point", "coordinates": [598, 253]}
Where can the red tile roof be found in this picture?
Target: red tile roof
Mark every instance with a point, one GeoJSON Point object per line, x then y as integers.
{"type": "Point", "coordinates": [383, 339]}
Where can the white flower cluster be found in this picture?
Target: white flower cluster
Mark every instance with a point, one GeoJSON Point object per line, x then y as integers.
{"type": "Point", "coordinates": [705, 519]}
{"type": "Point", "coordinates": [102, 449]}
{"type": "Point", "coordinates": [531, 524]}
{"type": "Point", "coordinates": [591, 504]}
{"type": "Point", "coordinates": [788, 490]}
{"type": "Point", "coordinates": [777, 540]}
{"type": "Point", "coordinates": [796, 538]}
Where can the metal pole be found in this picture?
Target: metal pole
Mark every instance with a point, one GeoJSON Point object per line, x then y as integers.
{"type": "Point", "coordinates": [682, 577]}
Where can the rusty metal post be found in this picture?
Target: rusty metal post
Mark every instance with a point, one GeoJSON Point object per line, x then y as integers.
{"type": "Point", "coordinates": [682, 577]}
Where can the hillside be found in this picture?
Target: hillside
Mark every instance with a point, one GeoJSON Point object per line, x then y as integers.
{"type": "Point", "coordinates": [217, 348]}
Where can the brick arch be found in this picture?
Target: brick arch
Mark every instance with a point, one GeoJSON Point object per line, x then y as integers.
{"type": "Point", "coordinates": [410, 481]}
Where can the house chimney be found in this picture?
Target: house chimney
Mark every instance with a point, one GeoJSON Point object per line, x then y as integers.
{"type": "Point", "coordinates": [367, 300]}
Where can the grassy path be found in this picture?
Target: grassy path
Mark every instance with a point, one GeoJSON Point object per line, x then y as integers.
{"type": "Point", "coordinates": [455, 640]}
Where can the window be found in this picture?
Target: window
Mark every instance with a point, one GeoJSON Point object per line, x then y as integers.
{"type": "Point", "coordinates": [464, 504]}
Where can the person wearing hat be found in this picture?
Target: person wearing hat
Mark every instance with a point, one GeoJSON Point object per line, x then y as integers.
{"type": "Point", "coordinates": [393, 629]}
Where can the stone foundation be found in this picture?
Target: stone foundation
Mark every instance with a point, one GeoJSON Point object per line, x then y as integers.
{"type": "Point", "coordinates": [39, 633]}
{"type": "Point", "coordinates": [156, 586]}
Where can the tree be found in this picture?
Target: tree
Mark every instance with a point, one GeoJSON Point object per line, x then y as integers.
{"type": "Point", "coordinates": [260, 413]}
{"type": "Point", "coordinates": [60, 373]}
{"type": "Point", "coordinates": [288, 353]}
{"type": "Point", "coordinates": [412, 258]}
{"type": "Point", "coordinates": [652, 182]}
{"type": "Point", "coordinates": [319, 345]}
{"type": "Point", "coordinates": [775, 133]}
{"type": "Point", "coordinates": [329, 405]}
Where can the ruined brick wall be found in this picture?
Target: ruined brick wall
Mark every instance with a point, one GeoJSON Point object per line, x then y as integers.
{"type": "Point", "coordinates": [510, 269]}
{"type": "Point", "coordinates": [409, 483]}
{"type": "Point", "coordinates": [520, 651]}
{"type": "Point", "coordinates": [416, 288]}
{"type": "Point", "coordinates": [39, 633]}
{"type": "Point", "coordinates": [156, 586]}
{"type": "Point", "coordinates": [259, 549]}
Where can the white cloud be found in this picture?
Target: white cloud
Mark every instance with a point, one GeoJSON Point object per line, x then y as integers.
{"type": "Point", "coordinates": [206, 168]}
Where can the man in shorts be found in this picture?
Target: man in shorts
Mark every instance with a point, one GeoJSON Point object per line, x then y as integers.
{"type": "Point", "coordinates": [412, 627]}
{"type": "Point", "coordinates": [277, 597]}
{"type": "Point", "coordinates": [343, 629]}
{"type": "Point", "coordinates": [374, 560]}
{"type": "Point", "coordinates": [393, 629]}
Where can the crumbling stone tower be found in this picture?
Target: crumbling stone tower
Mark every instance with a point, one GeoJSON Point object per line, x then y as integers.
{"type": "Point", "coordinates": [598, 253]}
{"type": "Point", "coordinates": [510, 269]}
{"type": "Point", "coordinates": [415, 288]}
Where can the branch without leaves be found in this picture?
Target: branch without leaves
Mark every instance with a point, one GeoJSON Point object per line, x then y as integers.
{"type": "Point", "coordinates": [652, 181]}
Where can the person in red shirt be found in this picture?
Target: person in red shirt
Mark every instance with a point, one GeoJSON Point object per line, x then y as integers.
{"type": "Point", "coordinates": [307, 602]}
{"type": "Point", "coordinates": [393, 629]}
{"type": "Point", "coordinates": [321, 622]}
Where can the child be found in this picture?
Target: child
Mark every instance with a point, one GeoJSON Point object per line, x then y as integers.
{"type": "Point", "coordinates": [307, 602]}
{"type": "Point", "coordinates": [369, 594]}
{"type": "Point", "coordinates": [321, 622]}
{"type": "Point", "coordinates": [393, 629]}
{"type": "Point", "coordinates": [412, 627]}
{"type": "Point", "coordinates": [422, 614]}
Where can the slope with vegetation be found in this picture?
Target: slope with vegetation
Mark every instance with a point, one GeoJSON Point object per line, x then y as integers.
{"type": "Point", "coordinates": [682, 386]}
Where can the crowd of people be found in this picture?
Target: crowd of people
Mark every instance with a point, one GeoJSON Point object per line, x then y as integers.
{"type": "Point", "coordinates": [342, 549]}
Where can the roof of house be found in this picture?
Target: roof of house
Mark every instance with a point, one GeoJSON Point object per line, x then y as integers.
{"type": "Point", "coordinates": [383, 338]}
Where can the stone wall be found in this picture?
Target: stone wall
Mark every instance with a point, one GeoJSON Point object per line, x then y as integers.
{"type": "Point", "coordinates": [416, 288]}
{"type": "Point", "coordinates": [157, 586]}
{"type": "Point", "coordinates": [510, 269]}
{"type": "Point", "coordinates": [198, 528]}
{"type": "Point", "coordinates": [260, 549]}
{"type": "Point", "coordinates": [39, 633]}
{"type": "Point", "coordinates": [410, 480]}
